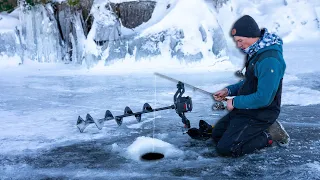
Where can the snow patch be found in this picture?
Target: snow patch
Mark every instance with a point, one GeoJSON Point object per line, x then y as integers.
{"type": "Point", "coordinates": [8, 23]}
{"type": "Point", "coordinates": [293, 21]}
{"type": "Point", "coordinates": [289, 77]}
{"type": "Point", "coordinates": [177, 18]}
{"type": "Point", "coordinates": [58, 1]}
{"type": "Point", "coordinates": [294, 95]}
{"type": "Point", "coordinates": [144, 145]}
{"type": "Point", "coordinates": [7, 61]}
{"type": "Point", "coordinates": [314, 166]}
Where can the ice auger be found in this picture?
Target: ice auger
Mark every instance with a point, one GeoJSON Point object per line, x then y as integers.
{"type": "Point", "coordinates": [181, 106]}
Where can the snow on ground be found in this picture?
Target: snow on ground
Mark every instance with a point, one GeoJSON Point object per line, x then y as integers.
{"type": "Point", "coordinates": [8, 62]}
{"type": "Point", "coordinates": [192, 38]}
{"type": "Point", "coordinates": [161, 10]}
{"type": "Point", "coordinates": [143, 145]}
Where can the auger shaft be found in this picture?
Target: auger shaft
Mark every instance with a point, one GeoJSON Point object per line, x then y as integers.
{"type": "Point", "coordinates": [143, 112]}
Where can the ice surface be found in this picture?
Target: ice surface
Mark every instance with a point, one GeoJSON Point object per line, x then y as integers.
{"type": "Point", "coordinates": [298, 95]}
{"type": "Point", "coordinates": [314, 166]}
{"type": "Point", "coordinates": [41, 102]}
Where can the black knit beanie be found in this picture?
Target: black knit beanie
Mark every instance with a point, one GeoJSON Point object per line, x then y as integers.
{"type": "Point", "coordinates": [246, 26]}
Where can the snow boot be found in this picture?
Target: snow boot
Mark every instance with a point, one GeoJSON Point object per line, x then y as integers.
{"type": "Point", "coordinates": [279, 134]}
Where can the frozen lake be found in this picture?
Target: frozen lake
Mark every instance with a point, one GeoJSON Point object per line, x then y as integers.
{"type": "Point", "coordinates": [39, 137]}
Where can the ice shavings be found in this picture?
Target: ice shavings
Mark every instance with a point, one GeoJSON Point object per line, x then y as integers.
{"type": "Point", "coordinates": [144, 145]}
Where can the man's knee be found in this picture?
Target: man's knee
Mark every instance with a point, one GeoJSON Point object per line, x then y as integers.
{"type": "Point", "coordinates": [224, 149]}
{"type": "Point", "coordinates": [215, 136]}
{"type": "Point", "coordinates": [229, 149]}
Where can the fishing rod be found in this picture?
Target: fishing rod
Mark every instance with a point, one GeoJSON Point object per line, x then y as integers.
{"type": "Point", "coordinates": [217, 105]}
{"type": "Point", "coordinates": [187, 85]}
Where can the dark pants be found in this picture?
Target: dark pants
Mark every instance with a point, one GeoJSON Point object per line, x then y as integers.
{"type": "Point", "coordinates": [236, 135]}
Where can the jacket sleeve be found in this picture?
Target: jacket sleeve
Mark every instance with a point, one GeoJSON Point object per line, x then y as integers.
{"type": "Point", "coordinates": [233, 89]}
{"type": "Point", "coordinates": [269, 73]}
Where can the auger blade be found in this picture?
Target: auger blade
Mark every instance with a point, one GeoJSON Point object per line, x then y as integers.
{"type": "Point", "coordinates": [98, 123]}
{"type": "Point", "coordinates": [127, 110]}
{"type": "Point", "coordinates": [118, 120]}
{"type": "Point", "coordinates": [81, 124]}
{"type": "Point", "coordinates": [108, 115]}
{"type": "Point", "coordinates": [89, 119]}
{"type": "Point", "coordinates": [147, 108]}
{"type": "Point", "coordinates": [138, 117]}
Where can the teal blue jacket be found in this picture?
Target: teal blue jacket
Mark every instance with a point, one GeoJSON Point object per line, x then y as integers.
{"type": "Point", "coordinates": [269, 72]}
